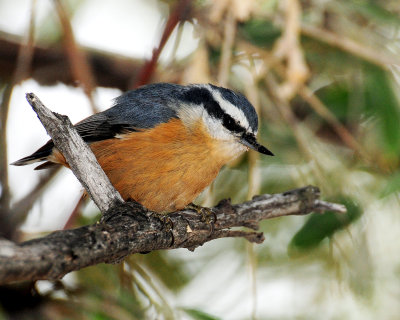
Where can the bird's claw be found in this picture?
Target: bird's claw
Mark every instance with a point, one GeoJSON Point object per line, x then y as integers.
{"type": "Point", "coordinates": [166, 222]}
{"type": "Point", "coordinates": [207, 215]}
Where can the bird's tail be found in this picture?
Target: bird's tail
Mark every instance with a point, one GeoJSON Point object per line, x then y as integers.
{"type": "Point", "coordinates": [39, 155]}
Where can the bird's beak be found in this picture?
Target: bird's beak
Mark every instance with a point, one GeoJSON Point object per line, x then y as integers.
{"type": "Point", "coordinates": [250, 141]}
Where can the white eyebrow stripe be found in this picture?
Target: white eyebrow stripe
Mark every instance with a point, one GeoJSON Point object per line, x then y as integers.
{"type": "Point", "coordinates": [230, 109]}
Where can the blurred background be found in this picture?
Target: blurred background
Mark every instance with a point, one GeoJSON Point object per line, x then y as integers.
{"type": "Point", "coordinates": [324, 77]}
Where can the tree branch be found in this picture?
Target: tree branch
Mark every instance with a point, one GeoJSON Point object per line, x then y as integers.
{"type": "Point", "coordinates": [50, 65]}
{"type": "Point", "coordinates": [127, 227]}
{"type": "Point", "coordinates": [181, 12]}
{"type": "Point", "coordinates": [79, 157]}
{"type": "Point", "coordinates": [60, 252]}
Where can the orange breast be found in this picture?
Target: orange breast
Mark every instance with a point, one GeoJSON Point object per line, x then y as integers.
{"type": "Point", "coordinates": [163, 168]}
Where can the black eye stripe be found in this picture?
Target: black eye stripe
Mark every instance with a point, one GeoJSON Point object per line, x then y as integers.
{"type": "Point", "coordinates": [199, 96]}
{"type": "Point", "coordinates": [239, 100]}
{"type": "Point", "coordinates": [231, 124]}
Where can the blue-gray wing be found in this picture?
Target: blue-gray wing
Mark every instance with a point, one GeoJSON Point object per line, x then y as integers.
{"type": "Point", "coordinates": [142, 108]}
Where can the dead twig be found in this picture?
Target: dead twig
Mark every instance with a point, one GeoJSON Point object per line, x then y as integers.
{"type": "Point", "coordinates": [79, 157]}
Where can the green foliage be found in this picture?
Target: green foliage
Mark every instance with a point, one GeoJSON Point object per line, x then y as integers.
{"type": "Point", "coordinates": [373, 96]}
{"type": "Point", "coordinates": [321, 226]}
{"type": "Point", "coordinates": [261, 33]}
{"type": "Point", "coordinates": [336, 96]}
{"type": "Point", "coordinates": [99, 316]}
{"type": "Point", "coordinates": [392, 185]}
{"type": "Point", "coordinates": [196, 314]}
{"type": "Point", "coordinates": [170, 270]}
{"type": "Point", "coordinates": [214, 54]}
{"type": "Point", "coordinates": [382, 103]}
{"type": "Point", "coordinates": [327, 60]}
{"type": "Point", "coordinates": [373, 11]}
{"type": "Point", "coordinates": [101, 289]}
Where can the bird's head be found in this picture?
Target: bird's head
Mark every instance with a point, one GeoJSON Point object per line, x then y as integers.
{"type": "Point", "coordinates": [228, 116]}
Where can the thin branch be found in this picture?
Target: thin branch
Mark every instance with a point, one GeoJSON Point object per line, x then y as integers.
{"type": "Point", "coordinates": [25, 52]}
{"type": "Point", "coordinates": [83, 199]}
{"type": "Point", "coordinates": [376, 57]}
{"type": "Point", "coordinates": [20, 210]}
{"type": "Point", "coordinates": [177, 42]}
{"type": "Point", "coordinates": [288, 48]}
{"type": "Point", "coordinates": [180, 13]}
{"type": "Point", "coordinates": [23, 62]}
{"type": "Point", "coordinates": [283, 105]}
{"type": "Point", "coordinates": [226, 50]}
{"type": "Point", "coordinates": [4, 192]}
{"type": "Point", "coordinates": [79, 157]}
{"type": "Point", "coordinates": [319, 107]}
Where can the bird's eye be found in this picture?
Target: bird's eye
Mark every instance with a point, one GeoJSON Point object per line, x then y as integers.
{"type": "Point", "coordinates": [230, 120]}
{"type": "Point", "coordinates": [231, 124]}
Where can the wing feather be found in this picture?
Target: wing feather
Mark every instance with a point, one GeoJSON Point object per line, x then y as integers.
{"type": "Point", "coordinates": [135, 110]}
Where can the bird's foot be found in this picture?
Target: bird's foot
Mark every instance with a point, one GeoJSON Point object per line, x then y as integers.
{"type": "Point", "coordinates": [165, 220]}
{"type": "Point", "coordinates": [207, 214]}
{"type": "Point", "coordinates": [131, 209]}
{"type": "Point", "coordinates": [167, 224]}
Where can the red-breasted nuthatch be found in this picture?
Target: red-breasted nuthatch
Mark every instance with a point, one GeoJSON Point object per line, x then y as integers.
{"type": "Point", "coordinates": [162, 144]}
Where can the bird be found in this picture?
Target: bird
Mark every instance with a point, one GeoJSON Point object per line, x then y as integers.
{"type": "Point", "coordinates": [162, 144]}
